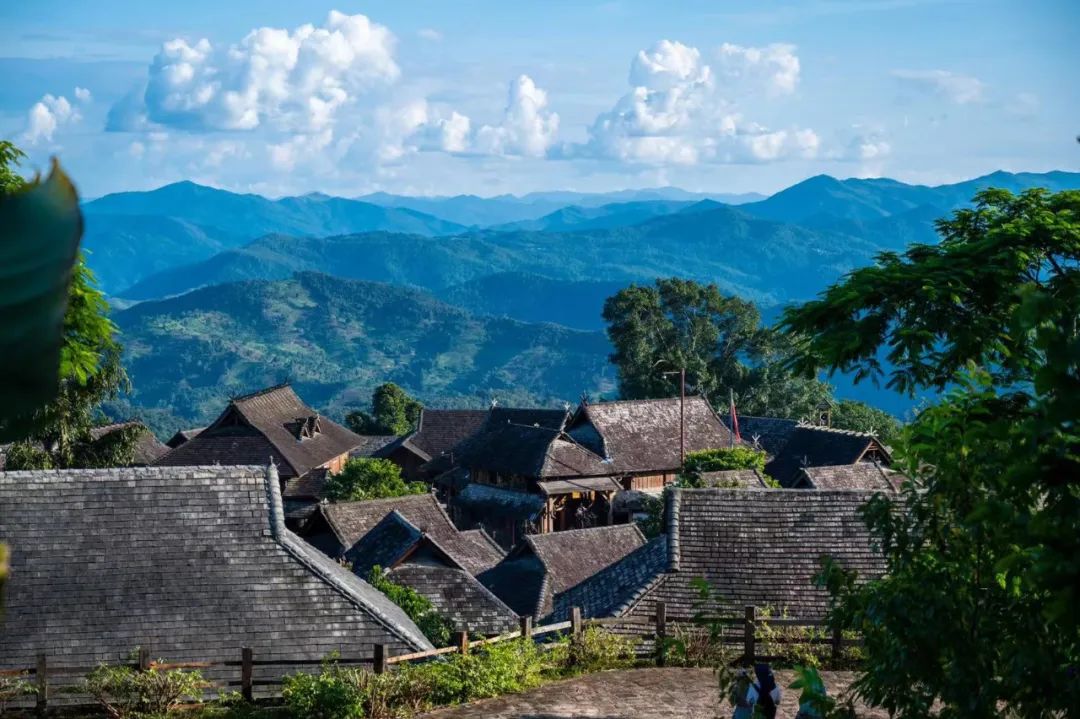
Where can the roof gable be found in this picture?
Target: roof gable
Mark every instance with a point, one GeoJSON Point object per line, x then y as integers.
{"type": "Point", "coordinates": [862, 475]}
{"type": "Point", "coordinates": [814, 446]}
{"type": "Point", "coordinates": [574, 555]}
{"type": "Point", "coordinates": [612, 591]}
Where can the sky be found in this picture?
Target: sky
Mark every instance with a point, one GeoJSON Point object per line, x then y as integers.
{"type": "Point", "coordinates": [441, 98]}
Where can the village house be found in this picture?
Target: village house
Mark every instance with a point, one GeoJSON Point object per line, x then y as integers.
{"type": "Point", "coordinates": [190, 563]}
{"type": "Point", "coordinates": [543, 566]}
{"type": "Point", "coordinates": [273, 424]}
{"type": "Point", "coordinates": [759, 548]}
{"type": "Point", "coordinates": [529, 478]}
{"type": "Point", "coordinates": [437, 432]}
{"type": "Point", "coordinates": [818, 446]}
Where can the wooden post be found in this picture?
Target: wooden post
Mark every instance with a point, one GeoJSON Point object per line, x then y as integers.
{"type": "Point", "coordinates": [661, 634]}
{"type": "Point", "coordinates": [526, 627]}
{"type": "Point", "coordinates": [380, 658]}
{"type": "Point", "coordinates": [837, 646]}
{"type": "Point", "coordinates": [245, 674]}
{"type": "Point", "coordinates": [144, 659]}
{"type": "Point", "coordinates": [748, 635]}
{"type": "Point", "coordinates": [463, 642]}
{"type": "Point", "coordinates": [41, 674]}
{"type": "Point", "coordinates": [575, 622]}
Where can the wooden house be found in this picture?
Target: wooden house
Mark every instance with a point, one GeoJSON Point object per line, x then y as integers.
{"type": "Point", "coordinates": [437, 432]}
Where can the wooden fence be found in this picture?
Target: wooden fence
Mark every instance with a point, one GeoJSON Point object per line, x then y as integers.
{"type": "Point", "coordinates": [655, 627]}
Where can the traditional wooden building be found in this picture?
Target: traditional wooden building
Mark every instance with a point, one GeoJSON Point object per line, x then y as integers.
{"type": "Point", "coordinates": [148, 448]}
{"type": "Point", "coordinates": [273, 424]}
{"type": "Point", "coordinates": [818, 446]}
{"type": "Point", "coordinates": [437, 432]}
{"type": "Point", "coordinates": [530, 478]}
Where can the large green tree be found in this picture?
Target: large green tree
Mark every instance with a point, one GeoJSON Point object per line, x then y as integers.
{"type": "Point", "coordinates": [57, 435]}
{"type": "Point", "coordinates": [369, 478]}
{"type": "Point", "coordinates": [979, 607]}
{"type": "Point", "coordinates": [393, 411]}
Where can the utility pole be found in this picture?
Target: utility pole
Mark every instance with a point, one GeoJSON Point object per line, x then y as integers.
{"type": "Point", "coordinates": [682, 412]}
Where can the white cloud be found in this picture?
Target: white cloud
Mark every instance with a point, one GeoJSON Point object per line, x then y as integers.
{"type": "Point", "coordinates": [82, 94]}
{"type": "Point", "coordinates": [428, 33]}
{"type": "Point", "coordinates": [528, 127]}
{"type": "Point", "coordinates": [294, 81]}
{"type": "Point", "coordinates": [47, 116]}
{"type": "Point", "coordinates": [960, 89]}
{"type": "Point", "coordinates": [775, 66]}
{"type": "Point", "coordinates": [675, 113]}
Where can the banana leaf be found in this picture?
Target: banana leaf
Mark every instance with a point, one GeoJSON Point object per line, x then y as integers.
{"type": "Point", "coordinates": [40, 229]}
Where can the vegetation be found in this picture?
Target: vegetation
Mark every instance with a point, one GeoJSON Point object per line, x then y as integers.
{"type": "Point", "coordinates": [718, 460]}
{"type": "Point", "coordinates": [393, 412]}
{"type": "Point", "coordinates": [13, 688]}
{"type": "Point", "coordinates": [861, 417]}
{"type": "Point", "coordinates": [127, 693]}
{"type": "Point", "coordinates": [991, 520]}
{"type": "Point", "coordinates": [369, 478]}
{"type": "Point", "coordinates": [419, 608]}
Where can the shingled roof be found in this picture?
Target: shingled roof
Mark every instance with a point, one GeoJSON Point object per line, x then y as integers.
{"type": "Point", "coordinates": [644, 435]}
{"type": "Point", "coordinates": [767, 433]}
{"type": "Point", "coordinates": [148, 448]}
{"type": "Point", "coordinates": [544, 565]}
{"type": "Point", "coordinates": [457, 596]}
{"type": "Point", "coordinates": [193, 563]}
{"type": "Point", "coordinates": [762, 548]}
{"type": "Point", "coordinates": [530, 451]}
{"type": "Point", "coordinates": [734, 478]}
{"type": "Point", "coordinates": [273, 422]}
{"type": "Point", "coordinates": [351, 521]}
{"type": "Point", "coordinates": [863, 475]}
{"type": "Point", "coordinates": [183, 436]}
{"type": "Point", "coordinates": [614, 589]}
{"type": "Point", "coordinates": [370, 444]}
{"type": "Point", "coordinates": [814, 446]}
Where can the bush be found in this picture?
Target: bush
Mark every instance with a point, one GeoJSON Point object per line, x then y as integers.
{"type": "Point", "coordinates": [435, 626]}
{"type": "Point", "coordinates": [333, 693]}
{"type": "Point", "coordinates": [597, 650]}
{"type": "Point", "coordinates": [11, 688]}
{"type": "Point", "coordinates": [720, 459]}
{"type": "Point", "coordinates": [365, 478]}
{"type": "Point", "coordinates": [503, 668]}
{"type": "Point", "coordinates": [126, 693]}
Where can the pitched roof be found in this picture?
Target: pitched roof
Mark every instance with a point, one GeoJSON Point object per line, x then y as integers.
{"type": "Point", "coordinates": [271, 422]}
{"type": "Point", "coordinates": [182, 436]}
{"type": "Point", "coordinates": [612, 590]}
{"type": "Point", "coordinates": [370, 444]}
{"type": "Point", "coordinates": [385, 545]}
{"type": "Point", "coordinates": [440, 430]}
{"type": "Point", "coordinates": [489, 501]}
{"type": "Point", "coordinates": [193, 562]}
{"type": "Point", "coordinates": [546, 564]}
{"type": "Point", "coordinates": [862, 475]}
{"type": "Point", "coordinates": [530, 451]}
{"type": "Point", "coordinates": [767, 433]}
{"type": "Point", "coordinates": [351, 521]}
{"type": "Point", "coordinates": [761, 548]}
{"type": "Point", "coordinates": [814, 446]}
{"type": "Point", "coordinates": [457, 596]}
{"type": "Point", "coordinates": [732, 478]}
{"type": "Point", "coordinates": [148, 449]}
{"type": "Point", "coordinates": [529, 416]}
{"type": "Point", "coordinates": [644, 435]}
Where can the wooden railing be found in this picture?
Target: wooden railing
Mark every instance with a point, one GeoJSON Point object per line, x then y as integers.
{"type": "Point", "coordinates": [658, 626]}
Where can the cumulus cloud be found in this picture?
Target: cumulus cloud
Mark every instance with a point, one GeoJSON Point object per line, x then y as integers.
{"type": "Point", "coordinates": [775, 66]}
{"type": "Point", "coordinates": [959, 89]}
{"type": "Point", "coordinates": [676, 113]}
{"type": "Point", "coordinates": [51, 113]}
{"type": "Point", "coordinates": [294, 81]}
{"type": "Point", "coordinates": [428, 33]}
{"type": "Point", "coordinates": [528, 127]}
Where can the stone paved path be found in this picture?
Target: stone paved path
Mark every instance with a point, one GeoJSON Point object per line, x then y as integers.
{"type": "Point", "coordinates": [630, 694]}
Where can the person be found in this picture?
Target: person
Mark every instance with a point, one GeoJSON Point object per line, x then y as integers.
{"type": "Point", "coordinates": [768, 693]}
{"type": "Point", "coordinates": [743, 695]}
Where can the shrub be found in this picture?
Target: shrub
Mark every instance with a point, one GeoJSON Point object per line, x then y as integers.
{"type": "Point", "coordinates": [435, 626]}
{"type": "Point", "coordinates": [596, 650]}
{"type": "Point", "coordinates": [11, 688]}
{"type": "Point", "coordinates": [333, 693]}
{"type": "Point", "coordinates": [125, 693]}
{"type": "Point", "coordinates": [720, 459]}
{"type": "Point", "coordinates": [369, 478]}
{"type": "Point", "coordinates": [503, 668]}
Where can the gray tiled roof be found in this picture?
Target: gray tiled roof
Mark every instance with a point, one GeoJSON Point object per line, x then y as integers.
{"type": "Point", "coordinates": [148, 449]}
{"type": "Point", "coordinates": [522, 584]}
{"type": "Point", "coordinates": [350, 521]}
{"type": "Point", "coordinates": [614, 589]}
{"type": "Point", "coordinates": [485, 500]}
{"type": "Point", "coordinates": [457, 596]}
{"type": "Point", "coordinates": [191, 562]}
{"type": "Point", "coordinates": [762, 548]}
{"type": "Point", "coordinates": [767, 433]}
{"type": "Point", "coordinates": [387, 543]}
{"type": "Point", "coordinates": [370, 444]}
{"type": "Point", "coordinates": [734, 478]}
{"type": "Point", "coordinates": [862, 475]}
{"type": "Point", "coordinates": [813, 446]}
{"type": "Point", "coordinates": [267, 426]}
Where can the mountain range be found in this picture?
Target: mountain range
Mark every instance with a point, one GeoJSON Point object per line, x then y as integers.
{"type": "Point", "coordinates": [229, 291]}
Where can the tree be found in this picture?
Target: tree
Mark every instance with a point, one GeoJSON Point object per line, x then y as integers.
{"type": "Point", "coordinates": [979, 604]}
{"type": "Point", "coordinates": [393, 411]}
{"type": "Point", "coordinates": [369, 478]}
{"type": "Point", "coordinates": [718, 460]}
{"type": "Point", "coordinates": [861, 417]}
{"type": "Point", "coordinates": [718, 339]}
{"type": "Point", "coordinates": [90, 372]}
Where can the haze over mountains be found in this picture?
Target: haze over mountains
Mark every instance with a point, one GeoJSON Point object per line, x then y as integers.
{"type": "Point", "coordinates": [544, 262]}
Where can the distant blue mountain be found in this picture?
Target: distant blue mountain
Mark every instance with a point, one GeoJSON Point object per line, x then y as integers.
{"type": "Point", "coordinates": [617, 214]}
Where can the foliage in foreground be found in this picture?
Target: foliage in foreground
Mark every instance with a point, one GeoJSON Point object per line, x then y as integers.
{"type": "Point", "coordinates": [979, 607]}
{"type": "Point", "coordinates": [13, 688]}
{"type": "Point", "coordinates": [393, 412]}
{"type": "Point", "coordinates": [127, 693]}
{"type": "Point", "coordinates": [435, 627]}
{"type": "Point", "coordinates": [369, 478]}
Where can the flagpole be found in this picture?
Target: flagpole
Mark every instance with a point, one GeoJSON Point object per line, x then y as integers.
{"type": "Point", "coordinates": [731, 406]}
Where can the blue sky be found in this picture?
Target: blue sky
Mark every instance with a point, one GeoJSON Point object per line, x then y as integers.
{"type": "Point", "coordinates": [493, 97]}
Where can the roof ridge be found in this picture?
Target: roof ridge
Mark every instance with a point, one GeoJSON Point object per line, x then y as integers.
{"type": "Point", "coordinates": [260, 392]}
{"type": "Point", "coordinates": [835, 430]}
{"type": "Point", "coordinates": [674, 507]}
{"type": "Point", "coordinates": [586, 529]}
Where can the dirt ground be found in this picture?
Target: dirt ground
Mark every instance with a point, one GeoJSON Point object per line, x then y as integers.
{"type": "Point", "coordinates": [632, 694]}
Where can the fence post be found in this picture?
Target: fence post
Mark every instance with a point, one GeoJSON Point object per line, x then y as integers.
{"type": "Point", "coordinates": [526, 627]}
{"type": "Point", "coordinates": [837, 646]}
{"type": "Point", "coordinates": [463, 642]}
{"type": "Point", "coordinates": [41, 674]}
{"type": "Point", "coordinates": [575, 622]}
{"type": "Point", "coordinates": [144, 659]}
{"type": "Point", "coordinates": [245, 674]}
{"type": "Point", "coordinates": [748, 635]}
{"type": "Point", "coordinates": [380, 658]}
{"type": "Point", "coordinates": [661, 634]}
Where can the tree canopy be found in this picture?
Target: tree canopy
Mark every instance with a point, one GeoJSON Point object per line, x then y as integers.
{"type": "Point", "coordinates": [369, 478]}
{"type": "Point", "coordinates": [393, 411]}
{"type": "Point", "coordinates": [979, 605]}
